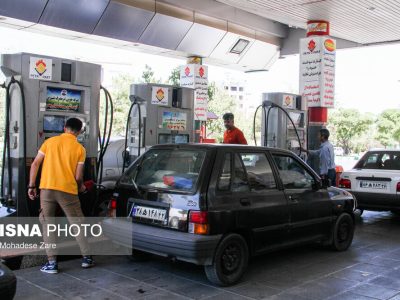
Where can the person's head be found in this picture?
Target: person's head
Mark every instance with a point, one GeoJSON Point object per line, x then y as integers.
{"type": "Point", "coordinates": [229, 120]}
{"type": "Point", "coordinates": [74, 126]}
{"type": "Point", "coordinates": [324, 134]}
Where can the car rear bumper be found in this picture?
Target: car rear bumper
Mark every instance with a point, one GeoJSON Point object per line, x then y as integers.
{"type": "Point", "coordinates": [377, 201]}
{"type": "Point", "coordinates": [197, 249]}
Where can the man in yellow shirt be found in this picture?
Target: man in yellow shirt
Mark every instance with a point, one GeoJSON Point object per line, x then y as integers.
{"type": "Point", "coordinates": [61, 179]}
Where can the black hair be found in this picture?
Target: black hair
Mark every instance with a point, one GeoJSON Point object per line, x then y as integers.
{"type": "Point", "coordinates": [74, 124]}
{"type": "Point", "coordinates": [324, 133]}
{"type": "Point", "coordinates": [228, 116]}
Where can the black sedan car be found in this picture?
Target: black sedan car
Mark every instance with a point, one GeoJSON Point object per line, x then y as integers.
{"type": "Point", "coordinates": [217, 205]}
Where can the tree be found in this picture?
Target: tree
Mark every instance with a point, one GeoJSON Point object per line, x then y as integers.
{"type": "Point", "coordinates": [148, 75]}
{"type": "Point", "coordinates": [119, 90]}
{"type": "Point", "coordinates": [388, 127]}
{"type": "Point", "coordinates": [219, 103]}
{"type": "Point", "coordinates": [175, 77]}
{"type": "Point", "coordinates": [347, 125]}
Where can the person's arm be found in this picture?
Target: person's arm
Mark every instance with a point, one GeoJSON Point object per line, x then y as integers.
{"type": "Point", "coordinates": [80, 169]}
{"type": "Point", "coordinates": [241, 139]}
{"type": "Point", "coordinates": [32, 192]}
{"type": "Point", "coordinates": [311, 152]}
{"type": "Point", "coordinates": [325, 158]}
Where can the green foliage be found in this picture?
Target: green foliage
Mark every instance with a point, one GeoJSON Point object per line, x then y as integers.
{"type": "Point", "coordinates": [211, 91]}
{"type": "Point", "coordinates": [175, 77]}
{"type": "Point", "coordinates": [347, 125]}
{"type": "Point", "coordinates": [219, 103]}
{"type": "Point", "coordinates": [120, 94]}
{"type": "Point", "coordinates": [388, 127]}
{"type": "Point", "coordinates": [148, 75]}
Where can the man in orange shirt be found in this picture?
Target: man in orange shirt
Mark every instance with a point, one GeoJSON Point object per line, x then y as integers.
{"type": "Point", "coordinates": [63, 161]}
{"type": "Point", "coordinates": [232, 135]}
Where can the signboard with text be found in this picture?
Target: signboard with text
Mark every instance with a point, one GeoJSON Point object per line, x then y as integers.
{"type": "Point", "coordinates": [317, 70]}
{"type": "Point", "coordinates": [196, 77]}
{"type": "Point", "coordinates": [174, 120]}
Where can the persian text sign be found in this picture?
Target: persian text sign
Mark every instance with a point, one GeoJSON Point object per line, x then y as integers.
{"type": "Point", "coordinates": [174, 120]}
{"type": "Point", "coordinates": [196, 77]}
{"type": "Point", "coordinates": [317, 70]}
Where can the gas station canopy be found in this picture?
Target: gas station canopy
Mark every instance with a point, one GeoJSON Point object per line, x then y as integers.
{"type": "Point", "coordinates": [242, 35]}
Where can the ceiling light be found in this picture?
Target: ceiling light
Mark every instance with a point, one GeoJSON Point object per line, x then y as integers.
{"type": "Point", "coordinates": [239, 47]}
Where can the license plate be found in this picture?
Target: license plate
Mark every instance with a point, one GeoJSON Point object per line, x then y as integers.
{"type": "Point", "coordinates": [373, 185]}
{"type": "Point", "coordinates": [150, 213]}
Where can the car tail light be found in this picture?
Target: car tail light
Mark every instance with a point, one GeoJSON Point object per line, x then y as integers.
{"type": "Point", "coordinates": [112, 206]}
{"type": "Point", "coordinates": [345, 183]}
{"type": "Point", "coordinates": [398, 187]}
{"type": "Point", "coordinates": [198, 222]}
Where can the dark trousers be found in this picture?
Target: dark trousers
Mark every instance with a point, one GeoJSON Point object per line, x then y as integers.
{"type": "Point", "coordinates": [332, 176]}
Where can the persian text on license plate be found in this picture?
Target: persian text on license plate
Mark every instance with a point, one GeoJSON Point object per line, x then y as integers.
{"type": "Point", "coordinates": [149, 213]}
{"type": "Point", "coordinates": [373, 185]}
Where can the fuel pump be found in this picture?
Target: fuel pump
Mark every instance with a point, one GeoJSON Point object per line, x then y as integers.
{"type": "Point", "coordinates": [284, 122]}
{"type": "Point", "coordinates": [159, 114]}
{"type": "Point", "coordinates": [42, 93]}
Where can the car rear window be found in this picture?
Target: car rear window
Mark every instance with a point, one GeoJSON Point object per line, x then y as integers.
{"type": "Point", "coordinates": [169, 169]}
{"type": "Point", "coordinates": [380, 160]}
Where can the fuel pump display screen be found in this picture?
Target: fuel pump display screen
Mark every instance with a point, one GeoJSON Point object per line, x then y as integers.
{"type": "Point", "coordinates": [60, 99]}
{"type": "Point", "coordinates": [53, 124]}
{"type": "Point", "coordinates": [297, 119]}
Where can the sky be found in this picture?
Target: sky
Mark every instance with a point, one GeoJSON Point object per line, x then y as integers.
{"type": "Point", "coordinates": [367, 78]}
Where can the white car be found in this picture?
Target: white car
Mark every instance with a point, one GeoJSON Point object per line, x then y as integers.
{"type": "Point", "coordinates": [338, 151]}
{"type": "Point", "coordinates": [375, 181]}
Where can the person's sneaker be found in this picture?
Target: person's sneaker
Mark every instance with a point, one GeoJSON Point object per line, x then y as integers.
{"type": "Point", "coordinates": [87, 262]}
{"type": "Point", "coordinates": [51, 268]}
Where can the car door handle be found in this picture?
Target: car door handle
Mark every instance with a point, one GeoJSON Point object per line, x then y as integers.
{"type": "Point", "coordinates": [245, 201]}
{"type": "Point", "coordinates": [293, 199]}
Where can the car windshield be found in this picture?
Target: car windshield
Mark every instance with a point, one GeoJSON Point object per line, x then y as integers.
{"type": "Point", "coordinates": [389, 160]}
{"type": "Point", "coordinates": [169, 169]}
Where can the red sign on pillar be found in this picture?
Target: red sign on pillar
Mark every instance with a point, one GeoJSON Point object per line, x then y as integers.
{"type": "Point", "coordinates": [317, 70]}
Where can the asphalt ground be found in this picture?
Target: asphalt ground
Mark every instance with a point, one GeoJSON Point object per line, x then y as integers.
{"type": "Point", "coordinates": [370, 269]}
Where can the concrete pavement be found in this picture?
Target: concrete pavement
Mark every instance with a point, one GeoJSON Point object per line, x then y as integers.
{"type": "Point", "coordinates": [370, 269]}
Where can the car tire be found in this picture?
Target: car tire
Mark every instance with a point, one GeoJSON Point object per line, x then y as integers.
{"type": "Point", "coordinates": [230, 261]}
{"type": "Point", "coordinates": [139, 256]}
{"type": "Point", "coordinates": [8, 283]}
{"type": "Point", "coordinates": [343, 232]}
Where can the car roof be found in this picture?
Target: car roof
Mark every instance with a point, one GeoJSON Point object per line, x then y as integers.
{"type": "Point", "coordinates": [218, 146]}
{"type": "Point", "coordinates": [383, 150]}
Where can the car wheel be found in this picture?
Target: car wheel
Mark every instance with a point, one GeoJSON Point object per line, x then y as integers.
{"type": "Point", "coordinates": [343, 232]}
{"type": "Point", "coordinates": [139, 256]}
{"type": "Point", "coordinates": [230, 261]}
{"type": "Point", "coordinates": [8, 283]}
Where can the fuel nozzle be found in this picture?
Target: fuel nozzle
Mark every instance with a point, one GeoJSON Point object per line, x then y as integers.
{"type": "Point", "coordinates": [268, 103]}
{"type": "Point", "coordinates": [10, 201]}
